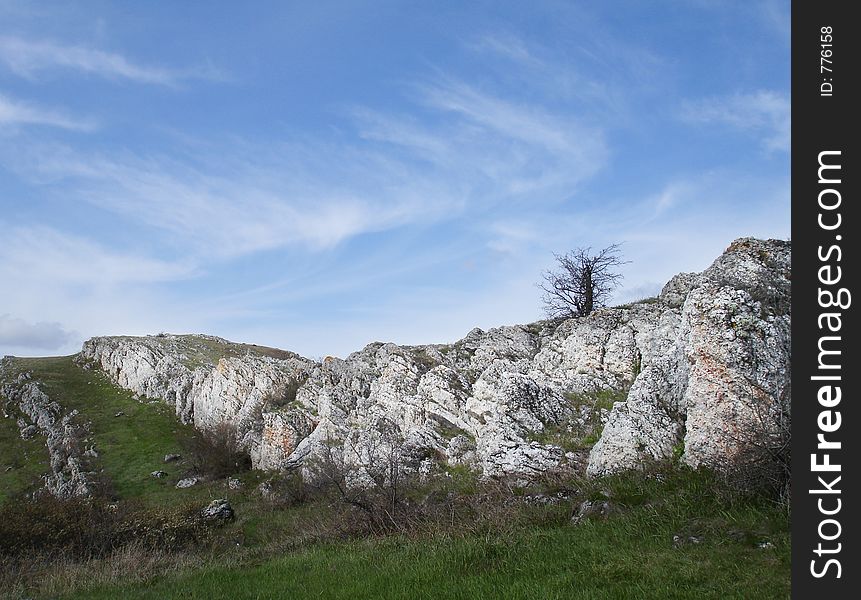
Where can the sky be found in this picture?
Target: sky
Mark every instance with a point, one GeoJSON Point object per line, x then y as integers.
{"type": "Point", "coordinates": [319, 175]}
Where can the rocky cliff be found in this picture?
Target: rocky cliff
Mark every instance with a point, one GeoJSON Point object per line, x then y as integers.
{"type": "Point", "coordinates": [693, 371]}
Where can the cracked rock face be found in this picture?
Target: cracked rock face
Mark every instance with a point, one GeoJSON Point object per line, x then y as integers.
{"type": "Point", "coordinates": [702, 361]}
{"type": "Point", "coordinates": [725, 381]}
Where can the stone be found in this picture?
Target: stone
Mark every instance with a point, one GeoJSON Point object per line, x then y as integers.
{"type": "Point", "coordinates": [168, 458]}
{"type": "Point", "coordinates": [217, 510]}
{"type": "Point", "coordinates": [589, 509]}
{"type": "Point", "coordinates": [700, 362]}
{"type": "Point", "coordinates": [266, 490]}
{"type": "Point", "coordinates": [234, 484]}
{"type": "Point", "coordinates": [28, 431]}
{"type": "Point", "coordinates": [187, 482]}
{"type": "Point", "coordinates": [68, 474]}
{"type": "Point", "coordinates": [159, 475]}
{"type": "Point", "coordinates": [725, 383]}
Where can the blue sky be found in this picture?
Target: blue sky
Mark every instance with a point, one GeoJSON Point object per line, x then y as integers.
{"type": "Point", "coordinates": [320, 175]}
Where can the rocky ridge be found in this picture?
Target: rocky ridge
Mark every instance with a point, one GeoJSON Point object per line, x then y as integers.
{"type": "Point", "coordinates": [69, 476]}
{"type": "Point", "coordinates": [706, 362]}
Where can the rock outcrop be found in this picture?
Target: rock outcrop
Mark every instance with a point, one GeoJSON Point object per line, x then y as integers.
{"type": "Point", "coordinates": [69, 476]}
{"type": "Point", "coordinates": [724, 384]}
{"type": "Point", "coordinates": [707, 362]}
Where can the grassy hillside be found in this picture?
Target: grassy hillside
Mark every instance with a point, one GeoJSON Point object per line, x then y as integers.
{"type": "Point", "coordinates": [631, 556]}
{"type": "Point", "coordinates": [674, 534]}
{"type": "Point", "coordinates": [131, 445]}
{"type": "Point", "coordinates": [21, 461]}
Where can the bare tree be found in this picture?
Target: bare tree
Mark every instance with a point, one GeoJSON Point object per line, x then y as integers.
{"type": "Point", "coordinates": [583, 282]}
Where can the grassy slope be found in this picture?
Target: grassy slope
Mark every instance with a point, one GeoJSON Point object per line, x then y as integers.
{"type": "Point", "coordinates": [28, 459]}
{"type": "Point", "coordinates": [130, 446]}
{"type": "Point", "coordinates": [630, 555]}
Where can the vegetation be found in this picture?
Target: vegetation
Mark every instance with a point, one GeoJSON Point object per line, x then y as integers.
{"type": "Point", "coordinates": [131, 445]}
{"type": "Point", "coordinates": [669, 536]}
{"type": "Point", "coordinates": [216, 453]}
{"type": "Point", "coordinates": [21, 461]}
{"type": "Point", "coordinates": [583, 282]}
{"type": "Point", "coordinates": [671, 533]}
{"type": "Point", "coordinates": [589, 410]}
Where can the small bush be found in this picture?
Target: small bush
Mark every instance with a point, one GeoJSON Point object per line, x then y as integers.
{"type": "Point", "coordinates": [285, 395]}
{"type": "Point", "coordinates": [217, 453]}
{"type": "Point", "coordinates": [290, 489]}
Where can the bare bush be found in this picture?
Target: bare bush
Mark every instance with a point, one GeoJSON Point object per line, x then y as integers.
{"type": "Point", "coordinates": [217, 453]}
{"type": "Point", "coordinates": [90, 527]}
{"type": "Point", "coordinates": [374, 479]}
{"type": "Point", "coordinates": [762, 462]}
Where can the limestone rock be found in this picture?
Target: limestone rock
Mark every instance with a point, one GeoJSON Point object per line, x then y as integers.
{"type": "Point", "coordinates": [187, 483]}
{"type": "Point", "coordinates": [726, 379]}
{"type": "Point", "coordinates": [217, 510]}
{"type": "Point", "coordinates": [702, 360]}
{"type": "Point", "coordinates": [68, 475]}
{"type": "Point", "coordinates": [589, 509]}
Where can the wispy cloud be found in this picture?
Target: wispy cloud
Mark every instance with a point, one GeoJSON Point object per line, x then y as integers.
{"type": "Point", "coordinates": [18, 333]}
{"type": "Point", "coordinates": [671, 196]}
{"type": "Point", "coordinates": [763, 113]}
{"type": "Point", "coordinates": [28, 58]}
{"type": "Point", "coordinates": [507, 46]}
{"type": "Point", "coordinates": [39, 253]}
{"type": "Point", "coordinates": [14, 112]}
{"type": "Point", "coordinates": [52, 277]}
{"type": "Point", "coordinates": [472, 149]}
{"type": "Point", "coordinates": [256, 207]}
{"type": "Point", "coordinates": [490, 145]}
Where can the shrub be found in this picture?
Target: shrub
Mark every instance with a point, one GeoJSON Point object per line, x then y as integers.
{"type": "Point", "coordinates": [286, 394]}
{"type": "Point", "coordinates": [92, 527]}
{"type": "Point", "coordinates": [217, 453]}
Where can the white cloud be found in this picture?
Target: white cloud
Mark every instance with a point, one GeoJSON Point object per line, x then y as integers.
{"type": "Point", "coordinates": [28, 58]}
{"type": "Point", "coordinates": [763, 113]}
{"type": "Point", "coordinates": [672, 195]}
{"type": "Point", "coordinates": [18, 333]}
{"type": "Point", "coordinates": [230, 199]}
{"type": "Point", "coordinates": [13, 112]}
{"type": "Point", "coordinates": [256, 207]}
{"type": "Point", "coordinates": [42, 254]}
{"type": "Point", "coordinates": [490, 147]}
{"type": "Point", "coordinates": [50, 276]}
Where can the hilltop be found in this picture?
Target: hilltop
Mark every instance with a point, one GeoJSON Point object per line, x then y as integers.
{"type": "Point", "coordinates": [510, 432]}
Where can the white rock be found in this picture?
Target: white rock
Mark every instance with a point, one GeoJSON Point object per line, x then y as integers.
{"type": "Point", "coordinates": [711, 345]}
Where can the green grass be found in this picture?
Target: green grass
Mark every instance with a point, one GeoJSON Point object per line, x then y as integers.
{"type": "Point", "coordinates": [130, 446]}
{"type": "Point", "coordinates": [572, 439]}
{"type": "Point", "coordinates": [21, 461]}
{"type": "Point", "coordinates": [630, 555]}
{"type": "Point", "coordinates": [268, 552]}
